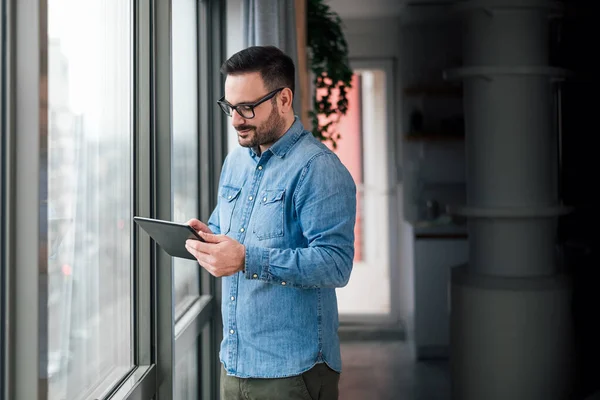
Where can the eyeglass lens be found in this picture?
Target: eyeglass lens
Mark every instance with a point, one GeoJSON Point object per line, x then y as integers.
{"type": "Point", "coordinates": [244, 110]}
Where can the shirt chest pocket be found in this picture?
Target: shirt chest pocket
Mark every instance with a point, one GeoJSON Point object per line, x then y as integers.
{"type": "Point", "coordinates": [229, 197]}
{"type": "Point", "coordinates": [269, 214]}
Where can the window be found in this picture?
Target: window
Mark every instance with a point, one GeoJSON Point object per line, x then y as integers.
{"type": "Point", "coordinates": [104, 123]}
{"type": "Point", "coordinates": [185, 142]}
{"type": "Point", "coordinates": [89, 196]}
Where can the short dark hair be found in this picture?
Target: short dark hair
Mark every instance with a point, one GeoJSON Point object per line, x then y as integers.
{"type": "Point", "coordinates": [276, 68]}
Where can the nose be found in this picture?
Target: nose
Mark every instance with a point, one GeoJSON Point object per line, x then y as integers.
{"type": "Point", "coordinates": [237, 119]}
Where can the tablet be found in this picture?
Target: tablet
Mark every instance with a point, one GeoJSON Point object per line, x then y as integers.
{"type": "Point", "coordinates": [170, 236]}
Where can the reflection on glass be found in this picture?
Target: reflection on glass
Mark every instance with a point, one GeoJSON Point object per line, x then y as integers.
{"type": "Point", "coordinates": [89, 196]}
{"type": "Point", "coordinates": [185, 142]}
{"type": "Point", "coordinates": [187, 376]}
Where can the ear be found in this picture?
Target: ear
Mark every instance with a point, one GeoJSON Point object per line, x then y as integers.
{"type": "Point", "coordinates": [286, 98]}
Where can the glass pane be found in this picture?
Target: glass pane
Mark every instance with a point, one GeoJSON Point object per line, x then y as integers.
{"type": "Point", "coordinates": [89, 196]}
{"type": "Point", "coordinates": [185, 141]}
{"type": "Point", "coordinates": [187, 376]}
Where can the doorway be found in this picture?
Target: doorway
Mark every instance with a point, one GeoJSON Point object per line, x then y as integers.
{"type": "Point", "coordinates": [367, 149]}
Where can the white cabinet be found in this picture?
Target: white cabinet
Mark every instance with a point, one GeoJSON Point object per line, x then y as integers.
{"type": "Point", "coordinates": [434, 256]}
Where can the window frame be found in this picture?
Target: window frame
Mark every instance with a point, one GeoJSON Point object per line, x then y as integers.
{"type": "Point", "coordinates": [213, 147]}
{"type": "Point", "coordinates": [3, 248]}
{"type": "Point", "coordinates": [25, 69]}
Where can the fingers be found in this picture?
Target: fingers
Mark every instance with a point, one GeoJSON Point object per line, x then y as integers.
{"type": "Point", "coordinates": [198, 246]}
{"type": "Point", "coordinates": [218, 259]}
{"type": "Point", "coordinates": [212, 238]}
{"type": "Point", "coordinates": [193, 222]}
{"type": "Point", "coordinates": [202, 256]}
{"type": "Point", "coordinates": [207, 248]}
{"type": "Point", "coordinates": [206, 261]}
{"type": "Point", "coordinates": [198, 225]}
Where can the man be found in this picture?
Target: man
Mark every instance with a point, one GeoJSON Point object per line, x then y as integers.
{"type": "Point", "coordinates": [282, 238]}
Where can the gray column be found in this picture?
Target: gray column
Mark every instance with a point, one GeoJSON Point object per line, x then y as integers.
{"type": "Point", "coordinates": [510, 316]}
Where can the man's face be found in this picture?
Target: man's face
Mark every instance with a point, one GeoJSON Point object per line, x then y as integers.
{"type": "Point", "coordinates": [267, 125]}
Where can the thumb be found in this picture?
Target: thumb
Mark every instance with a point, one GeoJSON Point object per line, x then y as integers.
{"type": "Point", "coordinates": [212, 238]}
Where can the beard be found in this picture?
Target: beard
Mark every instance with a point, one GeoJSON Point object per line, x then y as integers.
{"type": "Point", "coordinates": [267, 133]}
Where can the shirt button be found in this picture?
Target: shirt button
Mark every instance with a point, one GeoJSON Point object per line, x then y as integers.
{"type": "Point", "coordinates": [232, 298]}
{"type": "Point", "coordinates": [283, 283]}
{"type": "Point", "coordinates": [265, 199]}
{"type": "Point", "coordinates": [255, 276]}
{"type": "Point", "coordinates": [242, 230]}
{"type": "Point", "coordinates": [260, 167]}
{"type": "Point", "coordinates": [229, 197]}
{"type": "Point", "coordinates": [232, 331]}
{"type": "Point", "coordinates": [250, 198]}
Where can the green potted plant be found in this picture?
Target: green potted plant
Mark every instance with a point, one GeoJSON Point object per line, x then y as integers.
{"type": "Point", "coordinates": [330, 67]}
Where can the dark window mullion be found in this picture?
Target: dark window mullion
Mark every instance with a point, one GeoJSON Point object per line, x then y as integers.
{"type": "Point", "coordinates": [213, 149]}
{"type": "Point", "coordinates": [3, 157]}
{"type": "Point", "coordinates": [164, 312]}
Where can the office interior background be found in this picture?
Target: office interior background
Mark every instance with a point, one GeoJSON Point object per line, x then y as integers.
{"type": "Point", "coordinates": [469, 134]}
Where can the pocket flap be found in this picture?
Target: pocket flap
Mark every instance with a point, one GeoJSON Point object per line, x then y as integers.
{"type": "Point", "coordinates": [270, 196]}
{"type": "Point", "coordinates": [230, 193]}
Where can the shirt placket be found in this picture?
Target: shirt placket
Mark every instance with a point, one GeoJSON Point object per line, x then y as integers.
{"type": "Point", "coordinates": [248, 202]}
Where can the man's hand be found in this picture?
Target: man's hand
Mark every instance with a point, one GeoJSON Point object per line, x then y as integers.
{"type": "Point", "coordinates": [220, 255]}
{"type": "Point", "coordinates": [198, 226]}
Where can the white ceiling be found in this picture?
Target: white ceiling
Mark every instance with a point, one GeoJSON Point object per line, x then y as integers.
{"type": "Point", "coordinates": [376, 8]}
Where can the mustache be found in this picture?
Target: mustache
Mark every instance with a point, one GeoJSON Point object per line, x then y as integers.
{"type": "Point", "coordinates": [244, 127]}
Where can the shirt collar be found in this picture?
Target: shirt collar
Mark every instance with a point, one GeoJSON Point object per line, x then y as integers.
{"type": "Point", "coordinates": [287, 141]}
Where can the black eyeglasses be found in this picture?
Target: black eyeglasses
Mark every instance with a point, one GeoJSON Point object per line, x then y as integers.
{"type": "Point", "coordinates": [246, 110]}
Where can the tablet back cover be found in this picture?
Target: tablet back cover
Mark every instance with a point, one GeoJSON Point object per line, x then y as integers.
{"type": "Point", "coordinates": [169, 236]}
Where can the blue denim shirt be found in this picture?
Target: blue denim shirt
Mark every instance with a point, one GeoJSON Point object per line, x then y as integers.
{"type": "Point", "coordinates": [294, 209]}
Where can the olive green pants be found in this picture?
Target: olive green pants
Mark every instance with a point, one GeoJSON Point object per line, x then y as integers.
{"type": "Point", "coordinates": [318, 383]}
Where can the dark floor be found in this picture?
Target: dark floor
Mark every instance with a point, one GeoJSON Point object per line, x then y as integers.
{"type": "Point", "coordinates": [384, 370]}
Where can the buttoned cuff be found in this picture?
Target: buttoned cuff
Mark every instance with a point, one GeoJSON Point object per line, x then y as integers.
{"type": "Point", "coordinates": [257, 263]}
